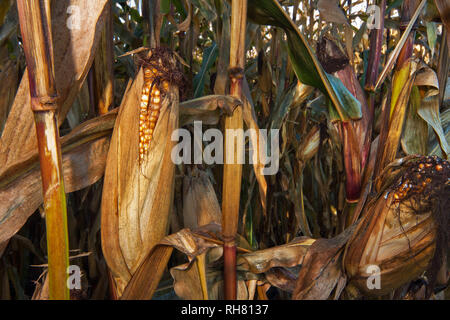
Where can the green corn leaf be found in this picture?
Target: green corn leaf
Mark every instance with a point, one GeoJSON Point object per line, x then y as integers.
{"type": "Point", "coordinates": [433, 143]}
{"type": "Point", "coordinates": [206, 9]}
{"type": "Point", "coordinates": [432, 35]}
{"type": "Point", "coordinates": [429, 111]}
{"type": "Point", "coordinates": [165, 6]}
{"type": "Point", "coordinates": [209, 57]}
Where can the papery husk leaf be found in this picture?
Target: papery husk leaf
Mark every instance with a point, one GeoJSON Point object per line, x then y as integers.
{"type": "Point", "coordinates": [398, 236]}
{"type": "Point", "coordinates": [381, 241]}
{"type": "Point", "coordinates": [309, 146]}
{"type": "Point", "coordinates": [200, 204]}
{"type": "Point", "coordinates": [402, 83]}
{"type": "Point", "coordinates": [414, 139]}
{"type": "Point", "coordinates": [137, 197]}
{"type": "Point", "coordinates": [139, 287]}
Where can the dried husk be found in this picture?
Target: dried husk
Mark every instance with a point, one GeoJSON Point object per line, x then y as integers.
{"type": "Point", "coordinates": [200, 204]}
{"type": "Point", "coordinates": [398, 232]}
{"type": "Point", "coordinates": [137, 197]}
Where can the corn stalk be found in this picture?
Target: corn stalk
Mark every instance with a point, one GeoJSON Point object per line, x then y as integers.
{"type": "Point", "coordinates": [232, 173]}
{"type": "Point", "coordinates": [36, 33]}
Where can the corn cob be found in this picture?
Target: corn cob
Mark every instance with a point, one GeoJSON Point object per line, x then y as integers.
{"type": "Point", "coordinates": [149, 108]}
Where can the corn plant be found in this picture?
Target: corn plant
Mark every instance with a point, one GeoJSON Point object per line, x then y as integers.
{"type": "Point", "coordinates": [348, 101]}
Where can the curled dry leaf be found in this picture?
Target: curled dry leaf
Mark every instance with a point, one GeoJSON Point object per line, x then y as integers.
{"type": "Point", "coordinates": [269, 264]}
{"type": "Point", "coordinates": [288, 255]}
{"type": "Point", "coordinates": [208, 109]}
{"type": "Point", "coordinates": [322, 271]}
{"type": "Point", "coordinates": [144, 281]}
{"type": "Point", "coordinates": [208, 240]}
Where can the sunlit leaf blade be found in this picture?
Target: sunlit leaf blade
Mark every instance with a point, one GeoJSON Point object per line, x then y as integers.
{"type": "Point", "coordinates": [305, 63]}
{"type": "Point", "coordinates": [402, 83]}
{"type": "Point", "coordinates": [415, 133]}
{"type": "Point", "coordinates": [432, 36]}
{"type": "Point", "coordinates": [429, 111]}
{"type": "Point", "coordinates": [395, 53]}
{"type": "Point", "coordinates": [434, 145]}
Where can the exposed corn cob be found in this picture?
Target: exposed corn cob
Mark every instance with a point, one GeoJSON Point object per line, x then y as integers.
{"type": "Point", "coordinates": [151, 97]}
{"type": "Point", "coordinates": [149, 113]}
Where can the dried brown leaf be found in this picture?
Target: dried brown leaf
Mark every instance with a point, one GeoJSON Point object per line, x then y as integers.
{"type": "Point", "coordinates": [73, 48]}
{"type": "Point", "coordinates": [200, 204]}
{"type": "Point", "coordinates": [321, 270]}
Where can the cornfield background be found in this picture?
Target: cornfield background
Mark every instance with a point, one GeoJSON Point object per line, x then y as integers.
{"type": "Point", "coordinates": [361, 101]}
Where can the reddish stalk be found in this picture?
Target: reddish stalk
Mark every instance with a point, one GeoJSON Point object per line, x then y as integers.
{"type": "Point", "coordinates": [376, 42]}
{"type": "Point", "coordinates": [232, 173]}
